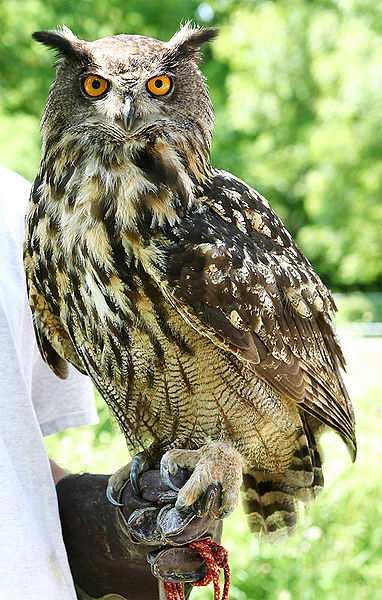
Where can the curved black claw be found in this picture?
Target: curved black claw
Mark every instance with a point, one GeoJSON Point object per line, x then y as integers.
{"type": "Point", "coordinates": [139, 465]}
{"type": "Point", "coordinates": [209, 503]}
{"type": "Point", "coordinates": [165, 475]}
{"type": "Point", "coordinates": [109, 495]}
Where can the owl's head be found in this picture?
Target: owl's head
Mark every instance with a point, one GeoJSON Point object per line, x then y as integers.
{"type": "Point", "coordinates": [124, 89]}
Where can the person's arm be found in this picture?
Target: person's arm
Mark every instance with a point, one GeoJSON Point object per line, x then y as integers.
{"type": "Point", "coordinates": [57, 471]}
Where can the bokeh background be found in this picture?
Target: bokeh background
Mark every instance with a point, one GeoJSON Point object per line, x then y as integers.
{"type": "Point", "coordinates": [297, 90]}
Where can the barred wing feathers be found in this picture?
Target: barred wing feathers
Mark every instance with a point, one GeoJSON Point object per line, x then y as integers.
{"type": "Point", "coordinates": [234, 273]}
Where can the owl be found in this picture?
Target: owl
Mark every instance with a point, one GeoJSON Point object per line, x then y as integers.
{"type": "Point", "coordinates": [175, 286]}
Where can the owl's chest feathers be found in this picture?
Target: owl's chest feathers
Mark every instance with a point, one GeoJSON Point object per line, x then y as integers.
{"type": "Point", "coordinates": [107, 206]}
{"type": "Point", "coordinates": [139, 186]}
{"type": "Point", "coordinates": [97, 216]}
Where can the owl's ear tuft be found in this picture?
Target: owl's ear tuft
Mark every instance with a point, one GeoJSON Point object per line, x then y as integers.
{"type": "Point", "coordinates": [63, 41]}
{"type": "Point", "coordinates": [188, 40]}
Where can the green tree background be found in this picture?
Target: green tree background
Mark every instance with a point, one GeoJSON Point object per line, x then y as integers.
{"type": "Point", "coordinates": [297, 89]}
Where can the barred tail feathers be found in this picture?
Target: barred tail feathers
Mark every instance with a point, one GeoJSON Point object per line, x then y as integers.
{"type": "Point", "coordinates": [271, 499]}
{"type": "Point", "coordinates": [269, 503]}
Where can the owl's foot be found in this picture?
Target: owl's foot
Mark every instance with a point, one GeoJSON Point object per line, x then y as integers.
{"type": "Point", "coordinates": [217, 462]}
{"type": "Point", "coordinates": [139, 464]}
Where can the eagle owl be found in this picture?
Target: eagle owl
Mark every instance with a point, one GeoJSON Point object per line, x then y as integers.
{"type": "Point", "coordinates": [174, 285]}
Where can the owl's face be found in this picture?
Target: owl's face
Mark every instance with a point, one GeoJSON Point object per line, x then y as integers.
{"type": "Point", "coordinates": [125, 88]}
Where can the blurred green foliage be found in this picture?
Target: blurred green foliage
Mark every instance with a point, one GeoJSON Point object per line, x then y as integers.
{"type": "Point", "coordinates": [296, 87]}
{"type": "Point", "coordinates": [336, 552]}
{"type": "Point", "coordinates": [359, 307]}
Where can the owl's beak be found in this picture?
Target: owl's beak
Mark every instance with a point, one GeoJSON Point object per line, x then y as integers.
{"type": "Point", "coordinates": [128, 112]}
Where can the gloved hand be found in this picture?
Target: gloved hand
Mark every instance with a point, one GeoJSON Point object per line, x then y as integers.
{"type": "Point", "coordinates": [114, 551]}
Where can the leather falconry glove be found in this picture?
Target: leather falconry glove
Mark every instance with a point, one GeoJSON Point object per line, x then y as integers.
{"type": "Point", "coordinates": [119, 553]}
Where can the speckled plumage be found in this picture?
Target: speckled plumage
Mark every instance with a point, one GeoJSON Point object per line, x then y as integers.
{"type": "Point", "coordinates": [174, 285]}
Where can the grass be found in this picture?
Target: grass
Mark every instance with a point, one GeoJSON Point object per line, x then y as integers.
{"type": "Point", "coordinates": [336, 552]}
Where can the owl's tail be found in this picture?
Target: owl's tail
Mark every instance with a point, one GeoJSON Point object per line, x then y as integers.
{"type": "Point", "coordinates": [271, 500]}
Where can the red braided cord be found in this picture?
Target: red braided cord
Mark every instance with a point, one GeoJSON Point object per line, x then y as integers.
{"type": "Point", "coordinates": [174, 591]}
{"type": "Point", "coordinates": [215, 558]}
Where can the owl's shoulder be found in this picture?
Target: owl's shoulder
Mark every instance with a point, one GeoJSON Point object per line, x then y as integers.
{"type": "Point", "coordinates": [246, 209]}
{"type": "Point", "coordinates": [234, 229]}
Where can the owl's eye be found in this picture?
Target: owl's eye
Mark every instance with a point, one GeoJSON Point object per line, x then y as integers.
{"type": "Point", "coordinates": [95, 86]}
{"type": "Point", "coordinates": [160, 85]}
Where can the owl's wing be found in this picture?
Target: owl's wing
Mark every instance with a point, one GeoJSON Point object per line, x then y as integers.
{"type": "Point", "coordinates": [58, 365]}
{"type": "Point", "coordinates": [234, 273]}
{"type": "Point", "coordinates": [53, 342]}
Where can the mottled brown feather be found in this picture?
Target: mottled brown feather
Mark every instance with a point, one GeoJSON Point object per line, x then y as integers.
{"type": "Point", "coordinates": [259, 297]}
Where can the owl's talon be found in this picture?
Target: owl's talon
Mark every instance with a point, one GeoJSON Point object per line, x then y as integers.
{"type": "Point", "coordinates": [116, 483]}
{"type": "Point", "coordinates": [203, 505]}
{"type": "Point", "coordinates": [134, 480]}
{"type": "Point", "coordinates": [110, 497]}
{"type": "Point", "coordinates": [139, 465]}
{"type": "Point", "coordinates": [167, 468]}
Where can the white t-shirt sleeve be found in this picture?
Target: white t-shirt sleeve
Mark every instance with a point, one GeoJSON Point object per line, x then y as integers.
{"type": "Point", "coordinates": [61, 404]}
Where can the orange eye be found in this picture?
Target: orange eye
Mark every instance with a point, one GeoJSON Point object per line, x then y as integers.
{"type": "Point", "coordinates": [159, 85]}
{"type": "Point", "coordinates": [95, 86]}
